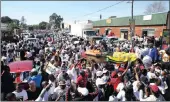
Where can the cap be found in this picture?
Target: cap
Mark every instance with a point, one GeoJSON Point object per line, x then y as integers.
{"type": "Point", "coordinates": [113, 74]}
{"type": "Point", "coordinates": [154, 88]}
{"type": "Point", "coordinates": [99, 73]}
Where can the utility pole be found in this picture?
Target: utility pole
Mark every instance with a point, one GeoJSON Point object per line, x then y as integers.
{"type": "Point", "coordinates": [132, 23]}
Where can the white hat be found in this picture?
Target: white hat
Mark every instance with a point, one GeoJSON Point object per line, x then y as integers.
{"type": "Point", "coordinates": [99, 73]}
{"type": "Point", "coordinates": [101, 81]}
{"type": "Point", "coordinates": [83, 91]}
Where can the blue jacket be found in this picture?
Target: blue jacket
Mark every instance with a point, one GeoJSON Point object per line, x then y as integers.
{"type": "Point", "coordinates": [37, 79]}
{"type": "Point", "coordinates": [153, 53]}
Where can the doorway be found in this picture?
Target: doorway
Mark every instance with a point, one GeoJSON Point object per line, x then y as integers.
{"type": "Point", "coordinates": [144, 33]}
{"type": "Point", "coordinates": [107, 31]}
{"type": "Point", "coordinates": [124, 33]}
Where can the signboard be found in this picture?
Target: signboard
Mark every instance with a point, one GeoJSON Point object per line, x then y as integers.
{"type": "Point", "coordinates": [147, 17]}
{"type": "Point", "coordinates": [166, 35]}
{"type": "Point", "coordinates": [108, 21]}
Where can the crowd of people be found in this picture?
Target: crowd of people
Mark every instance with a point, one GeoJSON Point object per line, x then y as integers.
{"type": "Point", "coordinates": [75, 78]}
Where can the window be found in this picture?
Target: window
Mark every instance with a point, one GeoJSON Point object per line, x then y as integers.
{"type": "Point", "coordinates": [150, 32]}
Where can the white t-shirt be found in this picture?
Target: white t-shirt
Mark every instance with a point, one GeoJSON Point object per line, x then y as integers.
{"type": "Point", "coordinates": [22, 94]}
{"type": "Point", "coordinates": [121, 95]}
{"type": "Point", "coordinates": [97, 82]}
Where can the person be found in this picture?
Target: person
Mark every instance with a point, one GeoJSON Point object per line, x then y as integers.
{"type": "Point", "coordinates": [64, 76]}
{"type": "Point", "coordinates": [52, 81]}
{"type": "Point", "coordinates": [82, 94]}
{"type": "Point", "coordinates": [154, 94]}
{"type": "Point", "coordinates": [36, 77]}
{"type": "Point", "coordinates": [101, 94]}
{"type": "Point", "coordinates": [11, 97]}
{"type": "Point", "coordinates": [82, 79]}
{"type": "Point", "coordinates": [32, 91]}
{"type": "Point", "coordinates": [99, 75]}
{"type": "Point", "coordinates": [20, 92]}
{"type": "Point", "coordinates": [60, 91]}
{"type": "Point", "coordinates": [44, 96]}
{"type": "Point", "coordinates": [153, 53]}
{"type": "Point", "coordinates": [6, 81]}
{"type": "Point", "coordinates": [106, 75]}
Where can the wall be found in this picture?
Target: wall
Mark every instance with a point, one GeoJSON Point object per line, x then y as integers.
{"type": "Point", "coordinates": [138, 29]}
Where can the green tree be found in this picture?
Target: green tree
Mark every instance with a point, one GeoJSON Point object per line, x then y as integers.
{"type": "Point", "coordinates": [30, 27]}
{"type": "Point", "coordinates": [16, 22]}
{"type": "Point", "coordinates": [55, 20]}
{"type": "Point", "coordinates": [6, 19]}
{"type": "Point", "coordinates": [23, 22]}
{"type": "Point", "coordinates": [36, 27]}
{"type": "Point", "coordinates": [43, 25]}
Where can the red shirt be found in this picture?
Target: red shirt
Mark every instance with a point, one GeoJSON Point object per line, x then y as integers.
{"type": "Point", "coordinates": [114, 82]}
{"type": "Point", "coordinates": [18, 80]}
{"type": "Point", "coordinates": [79, 66]}
{"type": "Point", "coordinates": [82, 81]}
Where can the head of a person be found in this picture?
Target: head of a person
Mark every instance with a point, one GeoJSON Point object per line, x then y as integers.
{"type": "Point", "coordinates": [51, 77]}
{"type": "Point", "coordinates": [19, 87]}
{"type": "Point", "coordinates": [82, 73]}
{"type": "Point", "coordinates": [33, 72]}
{"type": "Point", "coordinates": [32, 85]}
{"type": "Point", "coordinates": [11, 97]}
{"type": "Point", "coordinates": [62, 84]}
{"type": "Point", "coordinates": [44, 84]}
{"type": "Point", "coordinates": [6, 68]}
{"type": "Point", "coordinates": [154, 90]}
{"type": "Point", "coordinates": [138, 61]}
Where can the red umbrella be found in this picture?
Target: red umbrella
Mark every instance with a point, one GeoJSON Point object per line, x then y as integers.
{"type": "Point", "coordinates": [20, 66]}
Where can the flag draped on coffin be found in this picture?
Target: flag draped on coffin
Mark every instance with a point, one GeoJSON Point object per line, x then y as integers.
{"type": "Point", "coordinates": [121, 57]}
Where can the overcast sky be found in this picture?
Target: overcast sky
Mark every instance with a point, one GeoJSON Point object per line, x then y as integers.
{"type": "Point", "coordinates": [37, 11]}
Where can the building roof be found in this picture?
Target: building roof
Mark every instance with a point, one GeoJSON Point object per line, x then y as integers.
{"type": "Point", "coordinates": [153, 19]}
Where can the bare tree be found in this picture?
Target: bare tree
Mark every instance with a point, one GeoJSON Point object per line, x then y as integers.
{"type": "Point", "coordinates": [155, 7]}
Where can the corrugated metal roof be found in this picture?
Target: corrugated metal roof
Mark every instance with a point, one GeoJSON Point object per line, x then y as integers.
{"type": "Point", "coordinates": [157, 19]}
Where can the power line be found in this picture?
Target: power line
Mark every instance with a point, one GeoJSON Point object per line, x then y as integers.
{"type": "Point", "coordinates": [102, 9]}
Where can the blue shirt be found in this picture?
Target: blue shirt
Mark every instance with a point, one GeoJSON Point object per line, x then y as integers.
{"type": "Point", "coordinates": [37, 79]}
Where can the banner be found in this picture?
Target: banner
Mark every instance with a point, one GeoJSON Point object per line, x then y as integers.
{"type": "Point", "coordinates": [51, 69]}
{"type": "Point", "coordinates": [121, 57]}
